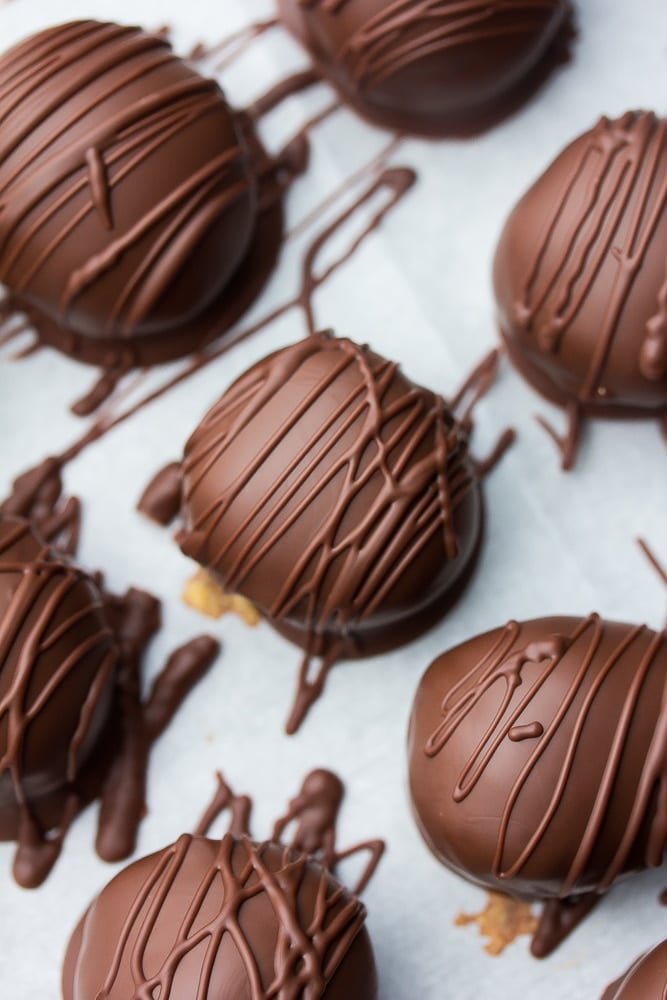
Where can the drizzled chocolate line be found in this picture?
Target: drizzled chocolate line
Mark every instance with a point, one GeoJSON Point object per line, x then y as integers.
{"type": "Point", "coordinates": [620, 162]}
{"type": "Point", "coordinates": [314, 811]}
{"type": "Point", "coordinates": [497, 667]}
{"type": "Point", "coordinates": [136, 618]}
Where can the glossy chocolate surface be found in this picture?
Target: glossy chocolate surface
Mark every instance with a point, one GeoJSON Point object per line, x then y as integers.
{"type": "Point", "coordinates": [128, 195]}
{"type": "Point", "coordinates": [646, 979]}
{"type": "Point", "coordinates": [580, 276]}
{"type": "Point", "coordinates": [434, 67]}
{"type": "Point", "coordinates": [57, 661]}
{"type": "Point", "coordinates": [336, 495]}
{"type": "Point", "coordinates": [230, 918]}
{"type": "Point", "coordinates": [537, 756]}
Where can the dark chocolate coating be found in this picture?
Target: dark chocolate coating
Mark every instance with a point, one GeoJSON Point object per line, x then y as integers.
{"type": "Point", "coordinates": [433, 67]}
{"type": "Point", "coordinates": [537, 756]}
{"type": "Point", "coordinates": [336, 495]}
{"type": "Point", "coordinates": [207, 919]}
{"type": "Point", "coordinates": [128, 193]}
{"type": "Point", "coordinates": [580, 276]}
{"type": "Point", "coordinates": [646, 979]}
{"type": "Point", "coordinates": [57, 660]}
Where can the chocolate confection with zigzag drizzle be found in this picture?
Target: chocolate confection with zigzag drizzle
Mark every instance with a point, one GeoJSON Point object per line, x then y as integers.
{"type": "Point", "coordinates": [432, 67]}
{"type": "Point", "coordinates": [646, 979]}
{"type": "Point", "coordinates": [337, 496]}
{"type": "Point", "coordinates": [139, 215]}
{"type": "Point", "coordinates": [538, 761]}
{"type": "Point", "coordinates": [580, 276]}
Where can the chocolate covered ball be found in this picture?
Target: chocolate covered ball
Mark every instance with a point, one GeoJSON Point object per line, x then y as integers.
{"type": "Point", "coordinates": [205, 919]}
{"type": "Point", "coordinates": [129, 212]}
{"type": "Point", "coordinates": [537, 756]}
{"type": "Point", "coordinates": [580, 275]}
{"type": "Point", "coordinates": [57, 660]}
{"type": "Point", "coordinates": [433, 68]}
{"type": "Point", "coordinates": [336, 495]}
{"type": "Point", "coordinates": [646, 979]}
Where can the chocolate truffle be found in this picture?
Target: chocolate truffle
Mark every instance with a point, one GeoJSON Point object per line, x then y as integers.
{"type": "Point", "coordinates": [537, 759]}
{"type": "Point", "coordinates": [57, 659]}
{"type": "Point", "coordinates": [580, 277]}
{"type": "Point", "coordinates": [434, 68]}
{"type": "Point", "coordinates": [207, 919]}
{"type": "Point", "coordinates": [336, 495]}
{"type": "Point", "coordinates": [645, 980]}
{"type": "Point", "coordinates": [129, 195]}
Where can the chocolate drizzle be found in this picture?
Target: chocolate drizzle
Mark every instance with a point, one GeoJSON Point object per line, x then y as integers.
{"type": "Point", "coordinates": [551, 687]}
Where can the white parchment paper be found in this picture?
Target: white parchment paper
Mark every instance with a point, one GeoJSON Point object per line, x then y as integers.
{"type": "Point", "coordinates": [418, 291]}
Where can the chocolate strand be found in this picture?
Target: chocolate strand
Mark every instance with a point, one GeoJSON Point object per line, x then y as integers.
{"type": "Point", "coordinates": [239, 806]}
{"type": "Point", "coordinates": [232, 46]}
{"type": "Point", "coordinates": [123, 798]}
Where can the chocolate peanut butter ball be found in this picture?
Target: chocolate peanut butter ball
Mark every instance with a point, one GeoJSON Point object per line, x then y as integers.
{"type": "Point", "coordinates": [129, 206]}
{"type": "Point", "coordinates": [205, 919]}
{"type": "Point", "coordinates": [434, 68]}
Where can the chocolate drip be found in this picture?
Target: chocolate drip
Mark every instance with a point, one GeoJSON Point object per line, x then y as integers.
{"type": "Point", "coordinates": [136, 618]}
{"type": "Point", "coordinates": [239, 807]}
{"type": "Point", "coordinates": [161, 500]}
{"type": "Point", "coordinates": [559, 918]}
{"type": "Point", "coordinates": [314, 811]}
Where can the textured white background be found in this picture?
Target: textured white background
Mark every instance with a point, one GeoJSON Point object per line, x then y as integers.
{"type": "Point", "coordinates": [418, 292]}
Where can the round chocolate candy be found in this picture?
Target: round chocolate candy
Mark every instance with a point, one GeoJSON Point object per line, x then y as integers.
{"type": "Point", "coordinates": [434, 68]}
{"type": "Point", "coordinates": [580, 275]}
{"type": "Point", "coordinates": [646, 979]}
{"type": "Point", "coordinates": [205, 919]}
{"type": "Point", "coordinates": [57, 660]}
{"type": "Point", "coordinates": [129, 211]}
{"type": "Point", "coordinates": [537, 759]}
{"type": "Point", "coordinates": [336, 495]}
